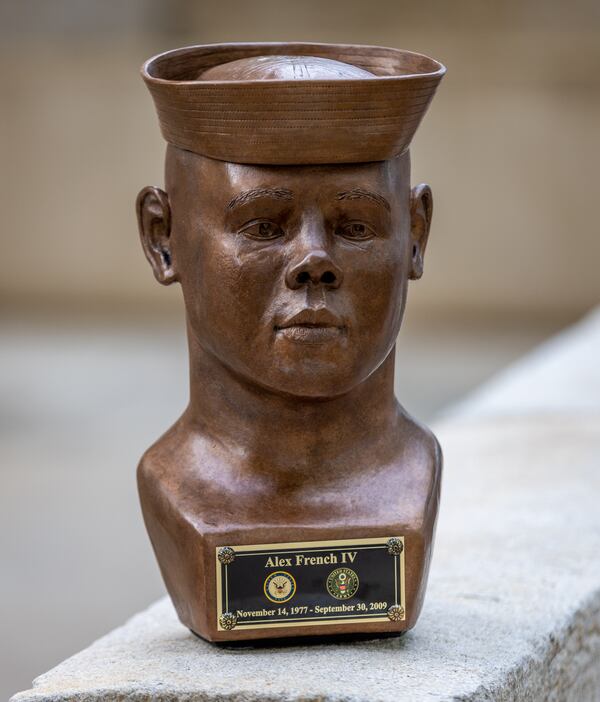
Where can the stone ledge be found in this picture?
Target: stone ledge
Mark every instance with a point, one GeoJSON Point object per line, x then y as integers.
{"type": "Point", "coordinates": [561, 376]}
{"type": "Point", "coordinates": [512, 609]}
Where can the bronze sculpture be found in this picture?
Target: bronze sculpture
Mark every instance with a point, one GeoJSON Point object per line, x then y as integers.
{"type": "Point", "coordinates": [294, 496]}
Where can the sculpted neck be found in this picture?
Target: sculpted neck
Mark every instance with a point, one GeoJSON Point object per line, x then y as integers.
{"type": "Point", "coordinates": [264, 432]}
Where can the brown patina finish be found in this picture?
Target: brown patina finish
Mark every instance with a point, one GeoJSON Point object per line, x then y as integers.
{"type": "Point", "coordinates": [294, 279]}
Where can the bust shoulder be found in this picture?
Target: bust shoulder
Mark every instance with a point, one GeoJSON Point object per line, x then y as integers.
{"type": "Point", "coordinates": [168, 477]}
{"type": "Point", "coordinates": [164, 464]}
{"type": "Point", "coordinates": [424, 444]}
{"type": "Point", "coordinates": [419, 462]}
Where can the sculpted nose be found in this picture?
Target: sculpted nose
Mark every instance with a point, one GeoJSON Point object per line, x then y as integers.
{"type": "Point", "coordinates": [316, 268]}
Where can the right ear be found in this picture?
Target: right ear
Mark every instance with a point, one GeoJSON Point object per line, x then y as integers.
{"type": "Point", "coordinates": [154, 222]}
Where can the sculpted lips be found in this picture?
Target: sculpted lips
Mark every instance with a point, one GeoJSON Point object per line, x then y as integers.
{"type": "Point", "coordinates": [311, 326]}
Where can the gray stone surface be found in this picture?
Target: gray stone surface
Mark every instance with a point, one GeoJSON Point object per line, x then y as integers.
{"type": "Point", "coordinates": [513, 606]}
{"type": "Point", "coordinates": [561, 375]}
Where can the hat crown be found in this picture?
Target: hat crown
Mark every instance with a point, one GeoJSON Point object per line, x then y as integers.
{"type": "Point", "coordinates": [284, 68]}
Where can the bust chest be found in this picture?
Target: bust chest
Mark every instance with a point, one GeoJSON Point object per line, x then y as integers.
{"type": "Point", "coordinates": [189, 519]}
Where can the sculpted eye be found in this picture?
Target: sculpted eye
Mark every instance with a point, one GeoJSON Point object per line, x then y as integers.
{"type": "Point", "coordinates": [355, 231]}
{"type": "Point", "coordinates": [262, 230]}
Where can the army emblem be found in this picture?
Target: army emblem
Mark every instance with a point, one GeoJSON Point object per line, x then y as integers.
{"type": "Point", "coordinates": [280, 586]}
{"type": "Point", "coordinates": [342, 583]}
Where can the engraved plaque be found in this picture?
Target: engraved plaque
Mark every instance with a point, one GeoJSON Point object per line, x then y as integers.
{"type": "Point", "coordinates": [310, 583]}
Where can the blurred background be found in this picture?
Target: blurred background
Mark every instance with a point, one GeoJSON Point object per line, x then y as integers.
{"type": "Point", "coordinates": [93, 363]}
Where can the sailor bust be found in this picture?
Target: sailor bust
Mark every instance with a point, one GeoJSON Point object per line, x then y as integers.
{"type": "Point", "coordinates": [290, 223]}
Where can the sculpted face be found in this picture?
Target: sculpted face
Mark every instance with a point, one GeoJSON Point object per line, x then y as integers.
{"type": "Point", "coordinates": [294, 277]}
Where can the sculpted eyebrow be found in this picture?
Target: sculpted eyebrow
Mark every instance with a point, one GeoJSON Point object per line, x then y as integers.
{"type": "Point", "coordinates": [249, 195]}
{"type": "Point", "coordinates": [358, 193]}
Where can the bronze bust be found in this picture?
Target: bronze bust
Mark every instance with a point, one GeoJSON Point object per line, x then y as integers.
{"type": "Point", "coordinates": [289, 222]}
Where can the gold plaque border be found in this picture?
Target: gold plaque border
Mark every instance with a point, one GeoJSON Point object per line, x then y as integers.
{"type": "Point", "coordinates": [241, 550]}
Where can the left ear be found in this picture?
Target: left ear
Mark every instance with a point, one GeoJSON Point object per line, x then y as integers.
{"type": "Point", "coordinates": [154, 222]}
{"type": "Point", "coordinates": [421, 209]}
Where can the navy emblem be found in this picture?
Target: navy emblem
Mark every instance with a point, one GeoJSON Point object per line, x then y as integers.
{"type": "Point", "coordinates": [280, 586]}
